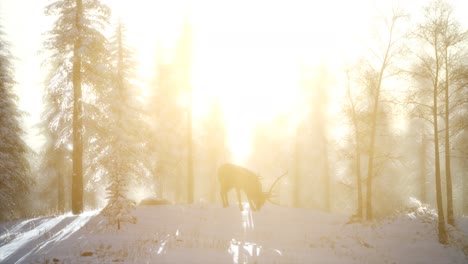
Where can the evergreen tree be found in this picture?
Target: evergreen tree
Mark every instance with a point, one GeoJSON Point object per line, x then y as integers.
{"type": "Point", "coordinates": [183, 63]}
{"type": "Point", "coordinates": [319, 108]}
{"type": "Point", "coordinates": [168, 133]}
{"type": "Point", "coordinates": [124, 153]}
{"type": "Point", "coordinates": [55, 166]}
{"type": "Point", "coordinates": [78, 59]}
{"type": "Point", "coordinates": [15, 182]}
{"type": "Point", "coordinates": [56, 128]}
{"type": "Point", "coordinates": [119, 207]}
{"type": "Point", "coordinates": [212, 148]}
{"type": "Point", "coordinates": [172, 122]}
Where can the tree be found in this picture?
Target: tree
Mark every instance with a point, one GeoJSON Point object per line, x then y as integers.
{"type": "Point", "coordinates": [320, 109]}
{"type": "Point", "coordinates": [78, 59]}
{"type": "Point", "coordinates": [296, 193]}
{"type": "Point", "coordinates": [183, 62]}
{"type": "Point", "coordinates": [56, 128]}
{"type": "Point", "coordinates": [171, 105]}
{"type": "Point", "coordinates": [429, 68]}
{"type": "Point", "coordinates": [422, 164]}
{"type": "Point", "coordinates": [124, 153]}
{"type": "Point", "coordinates": [313, 129]}
{"type": "Point", "coordinates": [451, 37]}
{"type": "Point", "coordinates": [355, 116]}
{"type": "Point", "coordinates": [119, 207]}
{"type": "Point", "coordinates": [212, 147]}
{"type": "Point", "coordinates": [15, 181]}
{"type": "Point", "coordinates": [274, 134]}
{"type": "Point", "coordinates": [168, 132]}
{"type": "Point", "coordinates": [459, 132]}
{"type": "Point", "coordinates": [54, 166]}
{"type": "Point", "coordinates": [461, 142]}
{"type": "Point", "coordinates": [375, 79]}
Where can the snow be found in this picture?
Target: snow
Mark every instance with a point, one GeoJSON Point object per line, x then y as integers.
{"type": "Point", "coordinates": [204, 233]}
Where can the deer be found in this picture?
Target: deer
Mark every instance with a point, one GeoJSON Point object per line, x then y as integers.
{"type": "Point", "coordinates": [232, 176]}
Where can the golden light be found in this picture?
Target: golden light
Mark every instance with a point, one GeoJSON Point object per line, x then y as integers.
{"type": "Point", "coordinates": [152, 26]}
{"type": "Point", "coordinates": [247, 54]}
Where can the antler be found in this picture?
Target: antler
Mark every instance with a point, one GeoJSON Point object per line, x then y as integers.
{"type": "Point", "coordinates": [269, 193]}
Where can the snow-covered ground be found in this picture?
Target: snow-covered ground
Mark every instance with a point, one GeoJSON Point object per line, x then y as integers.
{"type": "Point", "coordinates": [209, 234]}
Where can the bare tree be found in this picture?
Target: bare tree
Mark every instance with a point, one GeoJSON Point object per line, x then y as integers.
{"type": "Point", "coordinates": [353, 113]}
{"type": "Point", "coordinates": [451, 36]}
{"type": "Point", "coordinates": [429, 67]}
{"type": "Point", "coordinates": [377, 76]}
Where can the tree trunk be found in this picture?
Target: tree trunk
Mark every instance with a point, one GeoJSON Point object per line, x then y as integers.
{"type": "Point", "coordinates": [465, 188]}
{"type": "Point", "coordinates": [77, 177]}
{"type": "Point", "coordinates": [359, 182]}
{"type": "Point", "coordinates": [423, 171]}
{"type": "Point", "coordinates": [360, 211]}
{"type": "Point", "coordinates": [185, 61]}
{"type": "Point", "coordinates": [448, 176]}
{"type": "Point", "coordinates": [440, 208]}
{"type": "Point", "coordinates": [60, 193]}
{"type": "Point", "coordinates": [326, 170]}
{"type": "Point", "coordinates": [190, 186]}
{"type": "Point", "coordinates": [179, 191]}
{"type": "Point", "coordinates": [375, 109]}
{"type": "Point", "coordinates": [370, 163]}
{"type": "Point", "coordinates": [297, 171]}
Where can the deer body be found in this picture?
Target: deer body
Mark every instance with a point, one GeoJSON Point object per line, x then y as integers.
{"type": "Point", "coordinates": [231, 176]}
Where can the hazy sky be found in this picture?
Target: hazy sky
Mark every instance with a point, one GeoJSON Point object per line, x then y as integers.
{"type": "Point", "coordinates": [23, 22]}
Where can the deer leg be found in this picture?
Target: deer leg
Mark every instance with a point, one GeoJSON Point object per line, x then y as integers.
{"type": "Point", "coordinates": [252, 205]}
{"type": "Point", "coordinates": [224, 199]}
{"type": "Point", "coordinates": [239, 199]}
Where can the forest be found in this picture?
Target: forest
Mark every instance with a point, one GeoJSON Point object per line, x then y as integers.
{"type": "Point", "coordinates": [363, 117]}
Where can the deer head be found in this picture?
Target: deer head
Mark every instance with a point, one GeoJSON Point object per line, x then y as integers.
{"type": "Point", "coordinates": [231, 176]}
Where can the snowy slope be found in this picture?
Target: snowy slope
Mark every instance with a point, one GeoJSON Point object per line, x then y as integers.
{"type": "Point", "coordinates": [210, 234]}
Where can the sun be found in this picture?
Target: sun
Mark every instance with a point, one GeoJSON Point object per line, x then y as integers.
{"type": "Point", "coordinates": [247, 54]}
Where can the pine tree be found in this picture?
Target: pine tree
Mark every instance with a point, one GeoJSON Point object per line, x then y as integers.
{"type": "Point", "coordinates": [169, 132]}
{"type": "Point", "coordinates": [15, 182]}
{"type": "Point", "coordinates": [125, 153]}
{"type": "Point", "coordinates": [184, 71]}
{"type": "Point", "coordinates": [119, 207]}
{"type": "Point", "coordinates": [56, 128]}
{"type": "Point", "coordinates": [54, 167]}
{"type": "Point", "coordinates": [319, 108]}
{"type": "Point", "coordinates": [212, 147]}
{"type": "Point", "coordinates": [78, 61]}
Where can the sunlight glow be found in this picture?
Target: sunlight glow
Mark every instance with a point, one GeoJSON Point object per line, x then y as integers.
{"type": "Point", "coordinates": [247, 54]}
{"type": "Point", "coordinates": [242, 252]}
{"type": "Point", "coordinates": [152, 27]}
